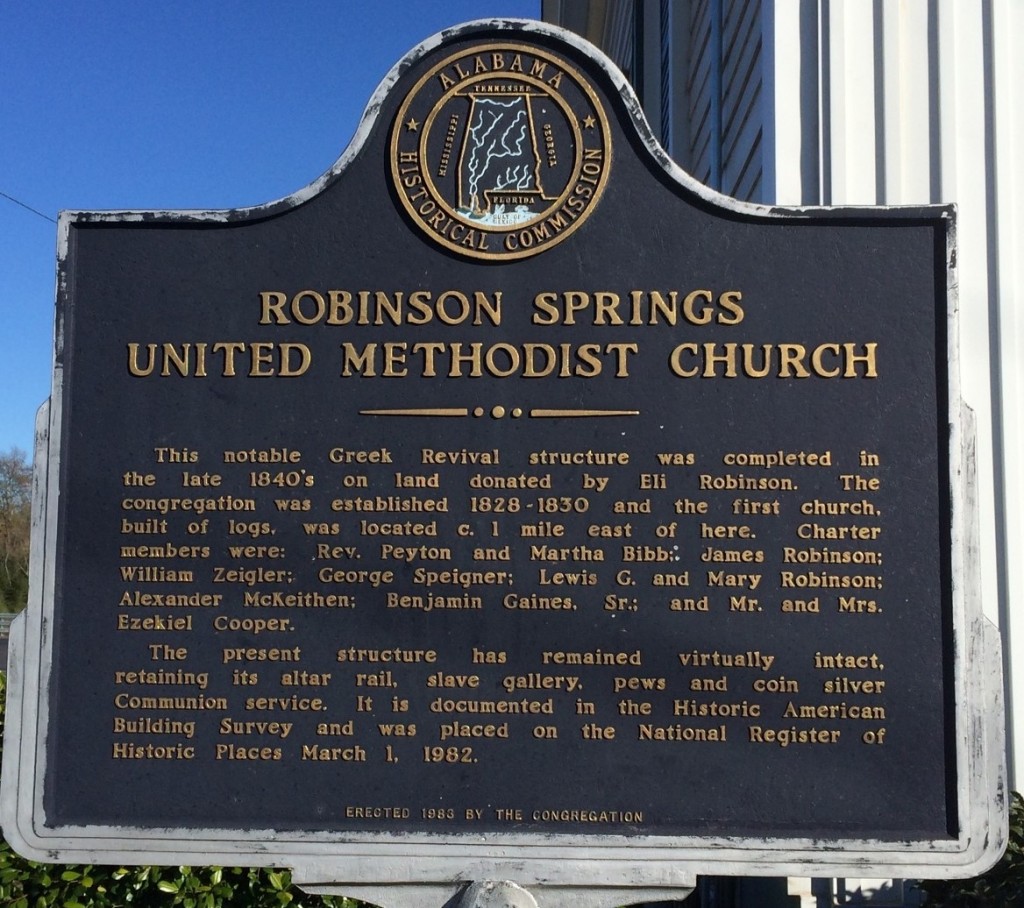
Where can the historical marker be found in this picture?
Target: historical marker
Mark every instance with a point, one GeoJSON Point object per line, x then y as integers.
{"type": "Point", "coordinates": [506, 505]}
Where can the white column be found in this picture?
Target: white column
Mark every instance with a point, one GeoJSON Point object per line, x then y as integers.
{"type": "Point", "coordinates": [851, 116]}
{"type": "Point", "coordinates": [907, 119]}
{"type": "Point", "coordinates": [783, 145]}
{"type": "Point", "coordinates": [1007, 225]}
{"type": "Point", "coordinates": [964, 172]}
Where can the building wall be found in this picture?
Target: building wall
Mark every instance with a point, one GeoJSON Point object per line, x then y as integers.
{"type": "Point", "coordinates": [865, 102]}
{"type": "Point", "coordinates": [868, 102]}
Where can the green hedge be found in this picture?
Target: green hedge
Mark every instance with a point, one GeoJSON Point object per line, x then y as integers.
{"type": "Point", "coordinates": [27, 884]}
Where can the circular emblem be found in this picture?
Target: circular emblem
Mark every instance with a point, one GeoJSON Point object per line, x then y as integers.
{"type": "Point", "coordinates": [500, 151]}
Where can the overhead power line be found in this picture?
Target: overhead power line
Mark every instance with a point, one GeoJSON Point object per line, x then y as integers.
{"type": "Point", "coordinates": [11, 198]}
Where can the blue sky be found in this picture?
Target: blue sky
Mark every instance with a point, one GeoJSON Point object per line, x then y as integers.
{"type": "Point", "coordinates": [126, 104]}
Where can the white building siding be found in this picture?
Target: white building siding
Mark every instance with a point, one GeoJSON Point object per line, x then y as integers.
{"type": "Point", "coordinates": [865, 102]}
{"type": "Point", "coordinates": [894, 102]}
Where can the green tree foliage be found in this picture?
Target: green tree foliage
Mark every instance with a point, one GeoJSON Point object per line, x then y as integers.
{"type": "Point", "coordinates": [15, 518]}
{"type": "Point", "coordinates": [27, 884]}
{"type": "Point", "coordinates": [1000, 887]}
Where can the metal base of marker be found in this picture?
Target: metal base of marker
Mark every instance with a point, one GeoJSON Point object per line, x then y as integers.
{"type": "Point", "coordinates": [497, 894]}
{"type": "Point", "coordinates": [505, 894]}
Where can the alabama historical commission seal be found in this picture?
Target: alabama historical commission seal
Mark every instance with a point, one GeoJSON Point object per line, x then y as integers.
{"type": "Point", "coordinates": [500, 151]}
